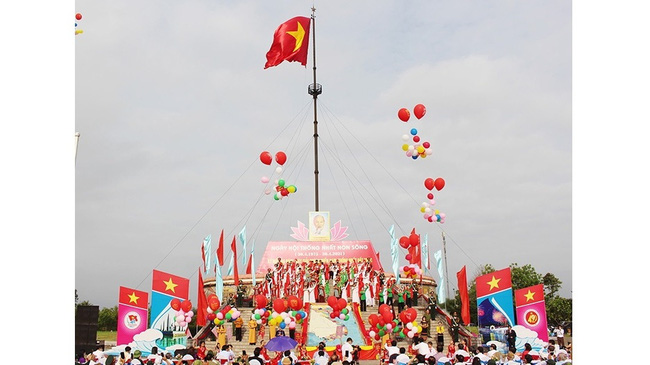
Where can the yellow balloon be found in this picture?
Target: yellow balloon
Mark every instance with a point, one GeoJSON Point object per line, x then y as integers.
{"type": "Point", "coordinates": [420, 149]}
{"type": "Point", "coordinates": [78, 31]}
{"type": "Point", "coordinates": [405, 147]}
{"type": "Point", "coordinates": [437, 211]}
{"type": "Point", "coordinates": [422, 209]}
{"type": "Point", "coordinates": [291, 189]}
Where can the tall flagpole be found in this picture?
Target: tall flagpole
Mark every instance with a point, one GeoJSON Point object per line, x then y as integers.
{"type": "Point", "coordinates": [314, 90]}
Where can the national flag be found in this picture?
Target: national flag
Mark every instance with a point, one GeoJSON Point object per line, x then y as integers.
{"type": "Point", "coordinates": [202, 304]}
{"type": "Point", "coordinates": [493, 282]}
{"type": "Point", "coordinates": [233, 247]}
{"type": "Point", "coordinates": [220, 250]}
{"type": "Point", "coordinates": [171, 285]}
{"type": "Point", "coordinates": [441, 273]}
{"type": "Point", "coordinates": [290, 42]}
{"type": "Point", "coordinates": [133, 298]}
{"type": "Point", "coordinates": [464, 295]}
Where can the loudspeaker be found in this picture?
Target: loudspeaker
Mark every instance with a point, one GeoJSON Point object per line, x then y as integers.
{"type": "Point", "coordinates": [86, 328]}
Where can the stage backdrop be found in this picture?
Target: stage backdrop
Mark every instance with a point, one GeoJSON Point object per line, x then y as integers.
{"type": "Point", "coordinates": [531, 310]}
{"type": "Point", "coordinates": [131, 314]}
{"type": "Point", "coordinates": [318, 250]}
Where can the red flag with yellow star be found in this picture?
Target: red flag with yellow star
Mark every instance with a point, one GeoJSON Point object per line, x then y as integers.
{"type": "Point", "coordinates": [131, 314]}
{"type": "Point", "coordinates": [494, 299]}
{"type": "Point", "coordinates": [290, 42]}
{"type": "Point", "coordinates": [531, 310]}
{"type": "Point", "coordinates": [169, 284]}
{"type": "Point", "coordinates": [164, 288]}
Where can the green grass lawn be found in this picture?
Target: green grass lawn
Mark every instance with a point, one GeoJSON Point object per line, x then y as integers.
{"type": "Point", "coordinates": [106, 335]}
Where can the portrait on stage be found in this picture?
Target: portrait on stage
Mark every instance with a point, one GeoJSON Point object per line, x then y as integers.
{"type": "Point", "coordinates": [319, 226]}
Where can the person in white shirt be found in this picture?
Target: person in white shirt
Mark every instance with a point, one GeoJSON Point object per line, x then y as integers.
{"type": "Point", "coordinates": [155, 356]}
{"type": "Point", "coordinates": [420, 346]}
{"type": "Point", "coordinates": [402, 358]}
{"type": "Point", "coordinates": [392, 349]}
{"type": "Point", "coordinates": [320, 356]}
{"type": "Point", "coordinates": [346, 350]}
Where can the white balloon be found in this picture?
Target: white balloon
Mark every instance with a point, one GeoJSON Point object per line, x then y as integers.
{"type": "Point", "coordinates": [278, 170]}
{"type": "Point", "coordinates": [405, 137]}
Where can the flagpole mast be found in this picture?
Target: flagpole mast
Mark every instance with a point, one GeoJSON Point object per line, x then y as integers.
{"type": "Point", "coordinates": [314, 90]}
{"type": "Point", "coordinates": [444, 251]}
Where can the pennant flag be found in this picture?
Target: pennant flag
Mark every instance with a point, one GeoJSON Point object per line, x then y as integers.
{"type": "Point", "coordinates": [220, 250]}
{"type": "Point", "coordinates": [131, 314]}
{"type": "Point", "coordinates": [425, 252]}
{"type": "Point", "coordinates": [290, 42]}
{"type": "Point", "coordinates": [394, 252]}
{"type": "Point", "coordinates": [248, 267]}
{"type": "Point", "coordinates": [164, 288]}
{"type": "Point", "coordinates": [242, 239]}
{"type": "Point", "coordinates": [206, 252]}
{"type": "Point", "coordinates": [202, 304]}
{"type": "Point", "coordinates": [218, 286]}
{"type": "Point", "coordinates": [494, 299]}
{"type": "Point", "coordinates": [464, 295]}
{"type": "Point", "coordinates": [253, 263]}
{"type": "Point", "coordinates": [415, 251]}
{"type": "Point", "coordinates": [531, 310]}
{"type": "Point", "coordinates": [233, 247]}
{"type": "Point", "coordinates": [230, 266]}
{"type": "Point", "coordinates": [441, 272]}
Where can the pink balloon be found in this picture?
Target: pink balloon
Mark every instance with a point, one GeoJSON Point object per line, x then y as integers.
{"type": "Point", "coordinates": [265, 179]}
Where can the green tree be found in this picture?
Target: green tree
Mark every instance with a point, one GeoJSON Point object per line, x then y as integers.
{"type": "Point", "coordinates": [551, 284]}
{"type": "Point", "coordinates": [559, 311]}
{"type": "Point", "coordinates": [107, 319]}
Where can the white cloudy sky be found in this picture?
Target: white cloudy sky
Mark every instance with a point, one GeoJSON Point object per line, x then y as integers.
{"type": "Point", "coordinates": [174, 107]}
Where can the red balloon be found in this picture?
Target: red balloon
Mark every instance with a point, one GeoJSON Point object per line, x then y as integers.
{"type": "Point", "coordinates": [226, 309]}
{"type": "Point", "coordinates": [429, 183]}
{"type": "Point", "coordinates": [281, 157]}
{"type": "Point", "coordinates": [213, 302]}
{"type": "Point", "coordinates": [186, 306]}
{"type": "Point", "coordinates": [266, 158]}
{"type": "Point", "coordinates": [331, 301]}
{"type": "Point", "coordinates": [294, 302]}
{"type": "Point", "coordinates": [260, 301]}
{"type": "Point", "coordinates": [414, 239]}
{"type": "Point", "coordinates": [341, 303]}
{"type": "Point", "coordinates": [408, 258]}
{"type": "Point", "coordinates": [411, 314]}
{"type": "Point", "coordinates": [439, 183]}
{"type": "Point", "coordinates": [430, 196]}
{"type": "Point", "coordinates": [426, 144]}
{"type": "Point", "coordinates": [384, 308]}
{"type": "Point", "coordinates": [416, 139]}
{"type": "Point", "coordinates": [387, 316]}
{"type": "Point", "coordinates": [211, 316]}
{"type": "Point", "coordinates": [419, 111]}
{"type": "Point", "coordinates": [284, 192]}
{"type": "Point", "coordinates": [404, 242]}
{"type": "Point", "coordinates": [333, 315]}
{"type": "Point", "coordinates": [279, 305]}
{"type": "Point", "coordinates": [78, 16]}
{"type": "Point", "coordinates": [404, 114]}
{"type": "Point", "coordinates": [373, 319]}
{"type": "Point", "coordinates": [175, 304]}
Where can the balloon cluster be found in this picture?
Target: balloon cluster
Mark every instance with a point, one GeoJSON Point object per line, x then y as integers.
{"type": "Point", "coordinates": [260, 314]}
{"type": "Point", "coordinates": [411, 270]}
{"type": "Point", "coordinates": [416, 149]}
{"type": "Point", "coordinates": [282, 189]}
{"type": "Point", "coordinates": [382, 323]}
{"type": "Point", "coordinates": [411, 240]}
{"type": "Point", "coordinates": [430, 214]}
{"type": "Point", "coordinates": [339, 308]}
{"type": "Point", "coordinates": [183, 310]}
{"type": "Point", "coordinates": [287, 319]}
{"type": "Point", "coordinates": [226, 314]}
{"type": "Point", "coordinates": [77, 31]}
{"type": "Point", "coordinates": [411, 326]}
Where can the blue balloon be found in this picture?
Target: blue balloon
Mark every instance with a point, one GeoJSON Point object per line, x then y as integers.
{"type": "Point", "coordinates": [414, 131]}
{"type": "Point", "coordinates": [415, 157]}
{"type": "Point", "coordinates": [282, 325]}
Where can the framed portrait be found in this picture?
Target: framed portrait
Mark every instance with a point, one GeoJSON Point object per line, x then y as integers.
{"type": "Point", "coordinates": [319, 226]}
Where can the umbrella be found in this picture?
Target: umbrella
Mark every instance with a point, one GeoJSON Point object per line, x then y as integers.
{"type": "Point", "coordinates": [281, 343]}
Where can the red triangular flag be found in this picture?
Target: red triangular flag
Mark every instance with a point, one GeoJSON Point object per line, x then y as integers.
{"type": "Point", "coordinates": [220, 249]}
{"type": "Point", "coordinates": [233, 247]}
{"type": "Point", "coordinates": [464, 295]}
{"type": "Point", "coordinates": [203, 254]}
{"type": "Point", "coordinates": [248, 267]}
{"type": "Point", "coordinates": [290, 42]}
{"type": "Point", "coordinates": [202, 304]}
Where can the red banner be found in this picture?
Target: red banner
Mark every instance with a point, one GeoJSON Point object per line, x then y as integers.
{"type": "Point", "coordinates": [169, 284]}
{"type": "Point", "coordinates": [318, 250]}
{"type": "Point", "coordinates": [531, 309]}
{"type": "Point", "coordinates": [464, 295]}
{"type": "Point", "coordinates": [493, 282]}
